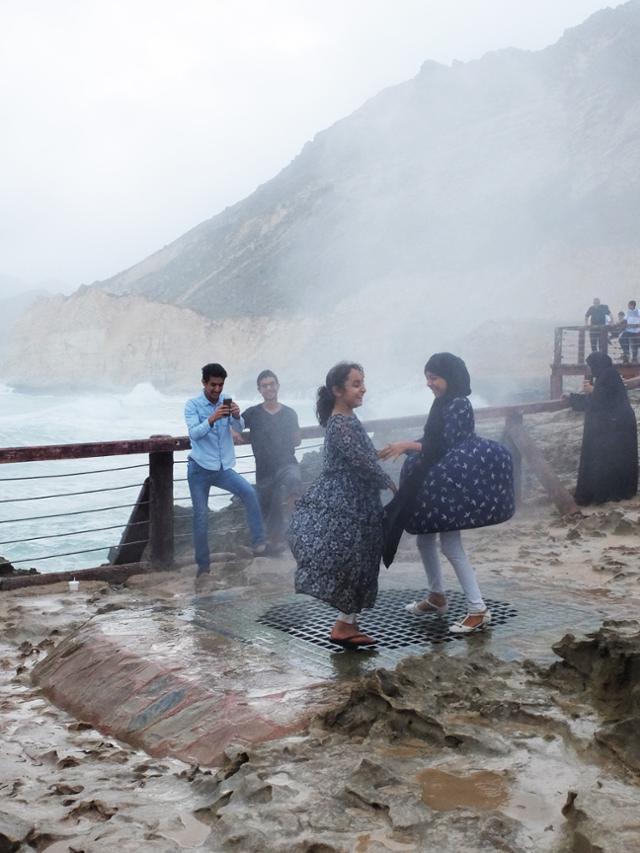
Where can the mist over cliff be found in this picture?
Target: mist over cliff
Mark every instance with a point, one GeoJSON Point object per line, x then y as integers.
{"type": "Point", "coordinates": [502, 189]}
{"type": "Point", "coordinates": [519, 164]}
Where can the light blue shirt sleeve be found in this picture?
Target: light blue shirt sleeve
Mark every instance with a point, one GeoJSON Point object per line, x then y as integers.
{"type": "Point", "coordinates": [197, 427]}
{"type": "Point", "coordinates": [211, 444]}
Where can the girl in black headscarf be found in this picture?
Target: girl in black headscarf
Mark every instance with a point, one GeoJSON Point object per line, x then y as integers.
{"type": "Point", "coordinates": [608, 468]}
{"type": "Point", "coordinates": [452, 480]}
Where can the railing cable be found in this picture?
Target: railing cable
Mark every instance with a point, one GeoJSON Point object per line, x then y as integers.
{"type": "Point", "coordinates": [70, 494]}
{"type": "Point", "coordinates": [74, 512]}
{"type": "Point", "coordinates": [73, 553]}
{"type": "Point", "coordinates": [73, 474]}
{"type": "Point", "coordinates": [74, 532]}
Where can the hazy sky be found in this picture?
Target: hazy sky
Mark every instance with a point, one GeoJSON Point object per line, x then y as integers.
{"type": "Point", "coordinates": [124, 124]}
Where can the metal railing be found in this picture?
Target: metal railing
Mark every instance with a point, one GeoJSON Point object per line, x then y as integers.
{"type": "Point", "coordinates": [572, 346]}
{"type": "Point", "coordinates": [574, 343]}
{"type": "Point", "coordinates": [149, 521]}
{"type": "Point", "coordinates": [90, 511]}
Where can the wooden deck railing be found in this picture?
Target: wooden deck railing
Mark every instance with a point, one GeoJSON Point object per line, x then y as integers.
{"type": "Point", "coordinates": [572, 345]}
{"type": "Point", "coordinates": [159, 497]}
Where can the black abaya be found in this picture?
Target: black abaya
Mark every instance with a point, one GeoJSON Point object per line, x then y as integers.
{"type": "Point", "coordinates": [608, 468]}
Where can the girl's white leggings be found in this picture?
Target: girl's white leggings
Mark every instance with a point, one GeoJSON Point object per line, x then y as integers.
{"type": "Point", "coordinates": [451, 545]}
{"type": "Point", "coordinates": [351, 618]}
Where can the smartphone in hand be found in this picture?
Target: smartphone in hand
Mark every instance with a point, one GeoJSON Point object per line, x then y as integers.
{"type": "Point", "coordinates": [228, 403]}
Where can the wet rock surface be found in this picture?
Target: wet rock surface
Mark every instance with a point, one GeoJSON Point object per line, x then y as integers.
{"type": "Point", "coordinates": [449, 752]}
{"type": "Point", "coordinates": [605, 666]}
{"type": "Point", "coordinates": [465, 752]}
{"type": "Point", "coordinates": [441, 753]}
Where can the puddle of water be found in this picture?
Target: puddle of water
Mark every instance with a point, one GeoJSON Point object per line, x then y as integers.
{"type": "Point", "coordinates": [444, 791]}
{"type": "Point", "coordinates": [194, 834]}
{"type": "Point", "coordinates": [540, 787]}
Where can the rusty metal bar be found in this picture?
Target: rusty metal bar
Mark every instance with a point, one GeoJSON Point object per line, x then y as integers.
{"type": "Point", "coordinates": [514, 420]}
{"type": "Point", "coordinates": [170, 444]}
{"type": "Point", "coordinates": [541, 468]}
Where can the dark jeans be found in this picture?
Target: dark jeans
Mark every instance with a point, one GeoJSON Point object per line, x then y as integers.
{"type": "Point", "coordinates": [630, 339]}
{"type": "Point", "coordinates": [597, 341]}
{"type": "Point", "coordinates": [200, 482]}
{"type": "Point", "coordinates": [273, 492]}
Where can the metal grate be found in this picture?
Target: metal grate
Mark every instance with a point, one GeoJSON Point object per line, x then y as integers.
{"type": "Point", "coordinates": [388, 622]}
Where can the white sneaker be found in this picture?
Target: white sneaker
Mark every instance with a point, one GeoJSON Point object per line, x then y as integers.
{"type": "Point", "coordinates": [426, 608]}
{"type": "Point", "coordinates": [461, 628]}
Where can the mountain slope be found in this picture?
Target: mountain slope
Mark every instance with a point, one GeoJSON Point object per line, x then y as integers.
{"type": "Point", "coordinates": [481, 174]}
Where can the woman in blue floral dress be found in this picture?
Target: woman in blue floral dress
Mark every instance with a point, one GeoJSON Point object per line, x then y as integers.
{"type": "Point", "coordinates": [452, 480]}
{"type": "Point", "coordinates": [336, 529]}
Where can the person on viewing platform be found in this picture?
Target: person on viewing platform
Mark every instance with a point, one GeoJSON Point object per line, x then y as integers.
{"type": "Point", "coordinates": [275, 434]}
{"type": "Point", "coordinates": [451, 480]}
{"type": "Point", "coordinates": [209, 418]}
{"type": "Point", "coordinates": [618, 327]}
{"type": "Point", "coordinates": [597, 315]}
{"type": "Point", "coordinates": [336, 528]}
{"type": "Point", "coordinates": [608, 469]}
{"type": "Point", "coordinates": [630, 338]}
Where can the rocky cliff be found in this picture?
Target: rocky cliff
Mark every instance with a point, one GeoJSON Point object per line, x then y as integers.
{"type": "Point", "coordinates": [117, 341]}
{"type": "Point", "coordinates": [493, 190]}
{"type": "Point", "coordinates": [74, 342]}
{"type": "Point", "coordinates": [516, 176]}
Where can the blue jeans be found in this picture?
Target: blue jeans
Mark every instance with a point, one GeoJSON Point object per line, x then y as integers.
{"type": "Point", "coordinates": [200, 482]}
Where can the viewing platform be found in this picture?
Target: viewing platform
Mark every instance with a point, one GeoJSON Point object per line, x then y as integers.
{"type": "Point", "coordinates": [573, 345]}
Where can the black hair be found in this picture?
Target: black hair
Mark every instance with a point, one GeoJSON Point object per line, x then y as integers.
{"type": "Point", "coordinates": [336, 378]}
{"type": "Point", "coordinates": [266, 374]}
{"type": "Point", "coordinates": [213, 369]}
{"type": "Point", "coordinates": [632, 302]}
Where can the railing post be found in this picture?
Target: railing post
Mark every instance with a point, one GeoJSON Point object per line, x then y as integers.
{"type": "Point", "coordinates": [161, 507]}
{"type": "Point", "coordinates": [557, 347]}
{"type": "Point", "coordinates": [555, 389]}
{"type": "Point", "coordinates": [512, 420]}
{"type": "Point", "coordinates": [581, 337]}
{"type": "Point", "coordinates": [543, 471]}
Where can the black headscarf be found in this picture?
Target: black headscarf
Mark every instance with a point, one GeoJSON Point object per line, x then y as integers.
{"type": "Point", "coordinates": [454, 371]}
{"type": "Point", "coordinates": [598, 363]}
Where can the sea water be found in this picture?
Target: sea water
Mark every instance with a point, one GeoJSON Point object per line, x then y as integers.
{"type": "Point", "coordinates": [43, 522]}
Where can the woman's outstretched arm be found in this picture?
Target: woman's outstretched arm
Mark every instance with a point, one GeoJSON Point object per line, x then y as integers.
{"type": "Point", "coordinates": [354, 445]}
{"type": "Point", "coordinates": [397, 448]}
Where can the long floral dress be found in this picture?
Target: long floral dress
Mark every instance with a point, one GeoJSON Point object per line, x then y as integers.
{"type": "Point", "coordinates": [336, 529]}
{"type": "Point", "coordinates": [470, 486]}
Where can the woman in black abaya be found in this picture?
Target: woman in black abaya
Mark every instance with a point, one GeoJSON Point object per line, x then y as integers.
{"type": "Point", "coordinates": [608, 468]}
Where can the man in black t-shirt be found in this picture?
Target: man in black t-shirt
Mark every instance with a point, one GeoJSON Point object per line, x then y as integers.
{"type": "Point", "coordinates": [597, 315]}
{"type": "Point", "coordinates": [275, 433]}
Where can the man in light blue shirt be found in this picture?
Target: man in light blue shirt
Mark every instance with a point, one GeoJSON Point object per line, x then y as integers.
{"type": "Point", "coordinates": [209, 420]}
{"type": "Point", "coordinates": [630, 338]}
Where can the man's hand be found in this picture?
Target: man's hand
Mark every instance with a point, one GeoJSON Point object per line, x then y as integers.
{"type": "Point", "coordinates": [587, 387]}
{"type": "Point", "coordinates": [238, 438]}
{"type": "Point", "coordinates": [235, 410]}
{"type": "Point", "coordinates": [220, 412]}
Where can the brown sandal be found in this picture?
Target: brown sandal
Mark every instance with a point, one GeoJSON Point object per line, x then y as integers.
{"type": "Point", "coordinates": [353, 641]}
